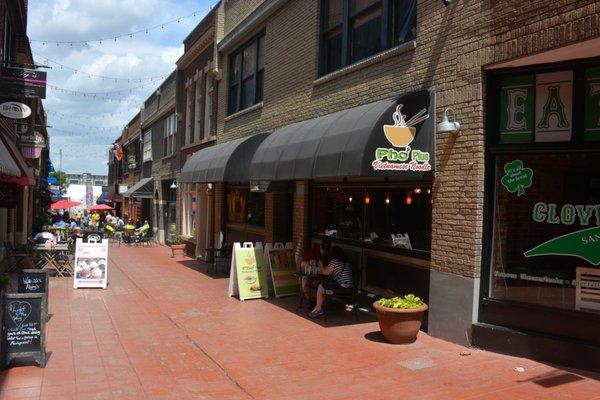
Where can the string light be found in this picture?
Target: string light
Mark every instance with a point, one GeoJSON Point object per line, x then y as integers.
{"type": "Point", "coordinates": [115, 37]}
{"type": "Point", "coordinates": [109, 95]}
{"type": "Point", "coordinates": [90, 75]}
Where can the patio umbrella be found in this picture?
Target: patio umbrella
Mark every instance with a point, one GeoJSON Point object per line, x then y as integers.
{"type": "Point", "coordinates": [100, 207]}
{"type": "Point", "coordinates": [64, 204]}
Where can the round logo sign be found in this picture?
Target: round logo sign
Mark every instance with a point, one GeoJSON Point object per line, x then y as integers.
{"type": "Point", "coordinates": [15, 110]}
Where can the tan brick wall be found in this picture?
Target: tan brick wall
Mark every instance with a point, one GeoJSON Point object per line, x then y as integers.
{"type": "Point", "coordinates": [453, 44]}
{"type": "Point", "coordinates": [237, 10]}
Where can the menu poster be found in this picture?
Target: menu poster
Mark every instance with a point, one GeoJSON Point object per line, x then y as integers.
{"type": "Point", "coordinates": [23, 327]}
{"type": "Point", "coordinates": [247, 277]}
{"type": "Point", "coordinates": [282, 267]}
{"type": "Point", "coordinates": [91, 265]}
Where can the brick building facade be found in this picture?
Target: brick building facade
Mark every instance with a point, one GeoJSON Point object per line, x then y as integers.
{"type": "Point", "coordinates": [281, 64]}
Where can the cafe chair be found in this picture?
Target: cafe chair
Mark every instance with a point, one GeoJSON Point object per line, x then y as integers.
{"type": "Point", "coordinates": [350, 298]}
{"type": "Point", "coordinates": [17, 256]}
{"type": "Point", "coordinates": [146, 237]}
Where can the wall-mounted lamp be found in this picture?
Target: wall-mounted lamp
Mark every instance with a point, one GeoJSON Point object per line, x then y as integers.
{"type": "Point", "coordinates": [174, 185]}
{"type": "Point", "coordinates": [367, 199]}
{"type": "Point", "coordinates": [408, 199]}
{"type": "Point", "coordinates": [387, 199]}
{"type": "Point", "coordinates": [447, 2]}
{"type": "Point", "coordinates": [447, 126]}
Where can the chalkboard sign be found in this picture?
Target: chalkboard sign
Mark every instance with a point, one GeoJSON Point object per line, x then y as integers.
{"type": "Point", "coordinates": [23, 326]}
{"type": "Point", "coordinates": [34, 281]}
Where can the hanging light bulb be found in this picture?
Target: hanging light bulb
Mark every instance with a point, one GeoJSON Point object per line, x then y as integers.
{"type": "Point", "coordinates": [387, 198]}
{"type": "Point", "coordinates": [350, 199]}
{"type": "Point", "coordinates": [417, 190]}
{"type": "Point", "coordinates": [367, 199]}
{"type": "Point", "coordinates": [408, 200]}
{"type": "Point", "coordinates": [428, 191]}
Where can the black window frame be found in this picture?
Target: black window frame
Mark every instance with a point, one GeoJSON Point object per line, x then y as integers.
{"type": "Point", "coordinates": [507, 312]}
{"type": "Point", "coordinates": [237, 105]}
{"type": "Point", "coordinates": [389, 34]}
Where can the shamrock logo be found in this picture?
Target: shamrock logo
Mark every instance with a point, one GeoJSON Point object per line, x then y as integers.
{"type": "Point", "coordinates": [517, 177]}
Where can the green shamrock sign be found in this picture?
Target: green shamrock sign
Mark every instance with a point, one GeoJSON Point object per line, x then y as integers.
{"type": "Point", "coordinates": [517, 178]}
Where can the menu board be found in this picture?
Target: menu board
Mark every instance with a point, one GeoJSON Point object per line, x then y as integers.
{"type": "Point", "coordinates": [34, 281]}
{"type": "Point", "coordinates": [91, 265]}
{"type": "Point", "coordinates": [23, 328]}
{"type": "Point", "coordinates": [282, 267]}
{"type": "Point", "coordinates": [247, 277]}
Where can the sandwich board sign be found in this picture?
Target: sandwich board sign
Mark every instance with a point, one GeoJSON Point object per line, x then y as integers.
{"type": "Point", "coordinates": [23, 328]}
{"type": "Point", "coordinates": [34, 281]}
{"type": "Point", "coordinates": [282, 268]}
{"type": "Point", "coordinates": [247, 276]}
{"type": "Point", "coordinates": [91, 265]}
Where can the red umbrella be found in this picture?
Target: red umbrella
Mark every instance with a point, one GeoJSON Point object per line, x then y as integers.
{"type": "Point", "coordinates": [64, 204]}
{"type": "Point", "coordinates": [100, 207]}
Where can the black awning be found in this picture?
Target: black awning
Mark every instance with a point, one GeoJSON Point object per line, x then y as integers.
{"type": "Point", "coordinates": [225, 162]}
{"type": "Point", "coordinates": [350, 142]}
{"type": "Point", "coordinates": [143, 189]}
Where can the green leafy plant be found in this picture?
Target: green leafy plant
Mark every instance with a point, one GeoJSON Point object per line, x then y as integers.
{"type": "Point", "coordinates": [177, 239]}
{"type": "Point", "coordinates": [408, 301]}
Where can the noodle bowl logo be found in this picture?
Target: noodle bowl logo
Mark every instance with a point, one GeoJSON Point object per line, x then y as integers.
{"type": "Point", "coordinates": [401, 135]}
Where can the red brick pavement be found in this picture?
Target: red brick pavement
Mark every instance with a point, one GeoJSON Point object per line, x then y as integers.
{"type": "Point", "coordinates": [163, 330]}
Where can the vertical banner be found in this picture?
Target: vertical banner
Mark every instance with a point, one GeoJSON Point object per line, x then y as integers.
{"type": "Point", "coordinates": [89, 194]}
{"type": "Point", "coordinates": [91, 265]}
{"type": "Point", "coordinates": [554, 106]}
{"type": "Point", "coordinates": [592, 104]}
{"type": "Point", "coordinates": [516, 109]}
{"type": "Point", "coordinates": [247, 277]}
{"type": "Point", "coordinates": [282, 267]}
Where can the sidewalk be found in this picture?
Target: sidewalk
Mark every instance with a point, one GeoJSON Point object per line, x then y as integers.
{"type": "Point", "coordinates": [164, 329]}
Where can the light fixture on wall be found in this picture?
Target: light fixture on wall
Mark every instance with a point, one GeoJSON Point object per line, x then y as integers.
{"type": "Point", "coordinates": [367, 199]}
{"type": "Point", "coordinates": [447, 126]}
{"type": "Point", "coordinates": [174, 185]}
{"type": "Point", "coordinates": [447, 2]}
{"type": "Point", "coordinates": [408, 199]}
{"type": "Point", "coordinates": [387, 199]}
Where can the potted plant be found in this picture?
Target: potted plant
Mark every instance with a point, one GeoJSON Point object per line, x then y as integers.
{"type": "Point", "coordinates": [177, 244]}
{"type": "Point", "coordinates": [400, 317]}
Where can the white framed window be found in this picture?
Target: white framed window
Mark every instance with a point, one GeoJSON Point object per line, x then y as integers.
{"type": "Point", "coordinates": [189, 115]}
{"type": "Point", "coordinates": [208, 93]}
{"type": "Point", "coordinates": [190, 207]}
{"type": "Point", "coordinates": [169, 135]}
{"type": "Point", "coordinates": [147, 146]}
{"type": "Point", "coordinates": [198, 135]}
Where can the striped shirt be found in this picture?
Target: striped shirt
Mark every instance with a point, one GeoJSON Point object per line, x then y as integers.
{"type": "Point", "coordinates": [342, 273]}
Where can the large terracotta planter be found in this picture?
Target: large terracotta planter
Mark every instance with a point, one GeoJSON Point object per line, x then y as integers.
{"type": "Point", "coordinates": [178, 249]}
{"type": "Point", "coordinates": [399, 325]}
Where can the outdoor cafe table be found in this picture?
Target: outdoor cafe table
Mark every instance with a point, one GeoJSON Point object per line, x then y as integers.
{"type": "Point", "coordinates": [50, 258]}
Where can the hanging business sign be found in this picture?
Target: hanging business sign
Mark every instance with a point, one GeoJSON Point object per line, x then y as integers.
{"type": "Point", "coordinates": [22, 82]}
{"type": "Point", "coordinates": [32, 145]}
{"type": "Point", "coordinates": [15, 110]}
{"type": "Point", "coordinates": [407, 142]}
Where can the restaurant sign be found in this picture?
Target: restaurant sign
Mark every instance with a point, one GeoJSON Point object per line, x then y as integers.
{"type": "Point", "coordinates": [32, 145]}
{"type": "Point", "coordinates": [22, 82]}
{"type": "Point", "coordinates": [15, 110]}
{"type": "Point", "coordinates": [407, 142]}
{"type": "Point", "coordinates": [539, 108]}
{"type": "Point", "coordinates": [247, 275]}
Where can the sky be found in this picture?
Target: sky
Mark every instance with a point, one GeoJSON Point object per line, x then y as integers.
{"type": "Point", "coordinates": [82, 125]}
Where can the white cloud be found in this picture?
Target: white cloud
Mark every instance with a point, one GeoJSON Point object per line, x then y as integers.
{"type": "Point", "coordinates": [143, 55]}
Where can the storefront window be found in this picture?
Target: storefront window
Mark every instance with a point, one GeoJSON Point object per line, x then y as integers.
{"type": "Point", "coordinates": [189, 209]}
{"type": "Point", "coordinates": [398, 217]}
{"type": "Point", "coordinates": [339, 212]}
{"type": "Point", "coordinates": [245, 207]}
{"type": "Point", "coordinates": [546, 246]}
